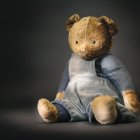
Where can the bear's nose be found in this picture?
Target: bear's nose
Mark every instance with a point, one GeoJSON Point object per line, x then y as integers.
{"type": "Point", "coordinates": [83, 47]}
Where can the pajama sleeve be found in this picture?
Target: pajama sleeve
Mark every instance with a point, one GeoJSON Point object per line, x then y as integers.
{"type": "Point", "coordinates": [65, 79]}
{"type": "Point", "coordinates": [116, 72]}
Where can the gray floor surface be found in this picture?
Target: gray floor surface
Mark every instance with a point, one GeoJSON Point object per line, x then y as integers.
{"type": "Point", "coordinates": [26, 124]}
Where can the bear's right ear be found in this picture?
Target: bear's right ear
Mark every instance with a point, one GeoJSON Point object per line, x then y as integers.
{"type": "Point", "coordinates": [71, 20]}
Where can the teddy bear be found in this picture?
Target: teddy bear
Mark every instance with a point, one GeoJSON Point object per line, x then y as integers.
{"type": "Point", "coordinates": [95, 86]}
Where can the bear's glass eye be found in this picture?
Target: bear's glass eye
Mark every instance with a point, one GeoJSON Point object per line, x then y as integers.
{"type": "Point", "coordinates": [76, 42]}
{"type": "Point", "coordinates": [94, 42]}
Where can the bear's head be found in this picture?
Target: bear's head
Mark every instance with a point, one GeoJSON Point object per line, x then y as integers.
{"type": "Point", "coordinates": [90, 37]}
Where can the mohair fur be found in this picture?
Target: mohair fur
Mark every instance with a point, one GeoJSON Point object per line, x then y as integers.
{"type": "Point", "coordinates": [90, 38]}
{"type": "Point", "coordinates": [92, 34]}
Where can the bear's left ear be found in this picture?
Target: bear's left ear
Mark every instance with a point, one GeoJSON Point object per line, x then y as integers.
{"type": "Point", "coordinates": [113, 29]}
{"type": "Point", "coordinates": [71, 20]}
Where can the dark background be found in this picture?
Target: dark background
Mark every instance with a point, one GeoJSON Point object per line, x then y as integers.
{"type": "Point", "coordinates": [34, 46]}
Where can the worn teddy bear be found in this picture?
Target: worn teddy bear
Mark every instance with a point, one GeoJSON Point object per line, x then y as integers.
{"type": "Point", "coordinates": [95, 85]}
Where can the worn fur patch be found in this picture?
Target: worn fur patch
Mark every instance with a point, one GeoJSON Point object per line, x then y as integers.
{"type": "Point", "coordinates": [104, 109]}
{"type": "Point", "coordinates": [59, 96]}
{"type": "Point", "coordinates": [90, 37]}
{"type": "Point", "coordinates": [47, 110]}
{"type": "Point", "coordinates": [131, 101]}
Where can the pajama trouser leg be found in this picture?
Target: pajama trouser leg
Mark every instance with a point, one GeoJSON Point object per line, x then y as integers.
{"type": "Point", "coordinates": [63, 114]}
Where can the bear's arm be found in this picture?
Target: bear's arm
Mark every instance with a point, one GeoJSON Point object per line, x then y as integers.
{"type": "Point", "coordinates": [116, 72]}
{"type": "Point", "coordinates": [63, 83]}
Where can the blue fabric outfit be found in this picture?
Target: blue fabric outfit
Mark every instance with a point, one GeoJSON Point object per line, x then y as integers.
{"type": "Point", "coordinates": [83, 80]}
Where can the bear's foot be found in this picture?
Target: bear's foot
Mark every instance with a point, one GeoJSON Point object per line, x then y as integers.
{"type": "Point", "coordinates": [47, 111]}
{"type": "Point", "coordinates": [104, 109]}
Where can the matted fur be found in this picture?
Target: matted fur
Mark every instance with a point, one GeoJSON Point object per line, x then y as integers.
{"type": "Point", "coordinates": [90, 36]}
{"type": "Point", "coordinates": [131, 101]}
{"type": "Point", "coordinates": [104, 109]}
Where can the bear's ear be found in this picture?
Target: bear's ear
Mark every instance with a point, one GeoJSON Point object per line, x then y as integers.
{"type": "Point", "coordinates": [71, 20]}
{"type": "Point", "coordinates": [113, 29]}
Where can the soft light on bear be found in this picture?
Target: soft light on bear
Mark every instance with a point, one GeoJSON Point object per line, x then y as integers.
{"type": "Point", "coordinates": [95, 85]}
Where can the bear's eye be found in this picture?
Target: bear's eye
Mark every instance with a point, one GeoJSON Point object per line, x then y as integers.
{"type": "Point", "coordinates": [76, 42]}
{"type": "Point", "coordinates": [94, 42]}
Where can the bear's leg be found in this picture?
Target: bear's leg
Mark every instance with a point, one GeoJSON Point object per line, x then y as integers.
{"type": "Point", "coordinates": [124, 114]}
{"type": "Point", "coordinates": [63, 114]}
{"type": "Point", "coordinates": [47, 111]}
{"type": "Point", "coordinates": [104, 109]}
{"type": "Point", "coordinates": [52, 112]}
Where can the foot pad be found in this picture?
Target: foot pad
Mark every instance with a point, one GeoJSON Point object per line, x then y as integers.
{"type": "Point", "coordinates": [104, 109]}
{"type": "Point", "coordinates": [47, 111]}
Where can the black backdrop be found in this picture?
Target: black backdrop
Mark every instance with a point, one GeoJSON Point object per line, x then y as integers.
{"type": "Point", "coordinates": [34, 46]}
